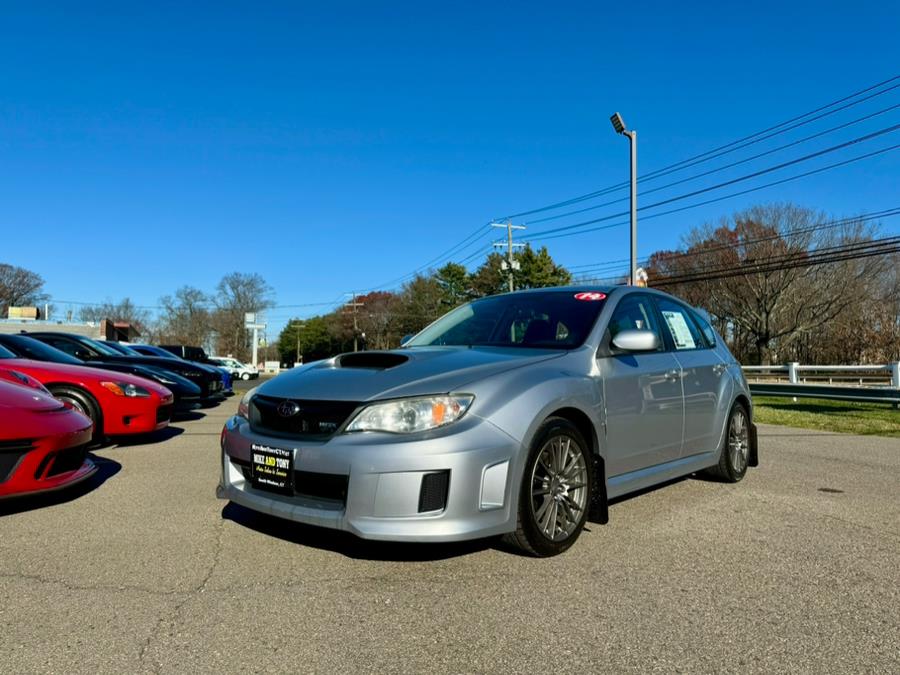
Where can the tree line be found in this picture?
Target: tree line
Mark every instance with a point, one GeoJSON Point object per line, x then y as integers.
{"type": "Point", "coordinates": [780, 282]}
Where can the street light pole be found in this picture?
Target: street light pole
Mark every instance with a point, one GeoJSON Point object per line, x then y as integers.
{"type": "Point", "coordinates": [619, 125]}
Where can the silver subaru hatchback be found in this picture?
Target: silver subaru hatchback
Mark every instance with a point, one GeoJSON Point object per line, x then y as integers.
{"type": "Point", "coordinates": [518, 415]}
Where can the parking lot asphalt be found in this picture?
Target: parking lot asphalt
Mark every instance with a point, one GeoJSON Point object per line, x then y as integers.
{"type": "Point", "coordinates": [793, 570]}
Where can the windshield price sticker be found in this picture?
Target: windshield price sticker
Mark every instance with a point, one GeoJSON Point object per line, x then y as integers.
{"type": "Point", "coordinates": [590, 296]}
{"type": "Point", "coordinates": [272, 468]}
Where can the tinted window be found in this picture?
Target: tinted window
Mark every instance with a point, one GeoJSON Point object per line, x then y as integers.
{"type": "Point", "coordinates": [634, 312]}
{"type": "Point", "coordinates": [118, 348]}
{"type": "Point", "coordinates": [64, 345]}
{"type": "Point", "coordinates": [682, 331]}
{"type": "Point", "coordinates": [29, 348]}
{"type": "Point", "coordinates": [100, 348]}
{"type": "Point", "coordinates": [709, 334]}
{"type": "Point", "coordinates": [547, 320]}
{"type": "Point", "coordinates": [6, 354]}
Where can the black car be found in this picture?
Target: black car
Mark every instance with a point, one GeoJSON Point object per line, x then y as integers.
{"type": "Point", "coordinates": [208, 379]}
{"type": "Point", "coordinates": [149, 350]}
{"type": "Point", "coordinates": [187, 394]}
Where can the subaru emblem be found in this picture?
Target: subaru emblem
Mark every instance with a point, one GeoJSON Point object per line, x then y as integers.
{"type": "Point", "coordinates": [288, 408]}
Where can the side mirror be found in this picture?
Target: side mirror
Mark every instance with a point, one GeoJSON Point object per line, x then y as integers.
{"type": "Point", "coordinates": [406, 338]}
{"type": "Point", "coordinates": [636, 341]}
{"type": "Point", "coordinates": [83, 354]}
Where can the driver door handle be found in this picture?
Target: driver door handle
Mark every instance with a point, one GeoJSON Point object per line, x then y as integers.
{"type": "Point", "coordinates": [674, 375]}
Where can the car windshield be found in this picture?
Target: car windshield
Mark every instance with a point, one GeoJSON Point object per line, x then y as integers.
{"type": "Point", "coordinates": [102, 348]}
{"type": "Point", "coordinates": [6, 354]}
{"type": "Point", "coordinates": [544, 319]}
{"type": "Point", "coordinates": [122, 349]}
{"type": "Point", "coordinates": [29, 348]}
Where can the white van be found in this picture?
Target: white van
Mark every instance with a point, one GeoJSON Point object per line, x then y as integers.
{"type": "Point", "coordinates": [237, 369]}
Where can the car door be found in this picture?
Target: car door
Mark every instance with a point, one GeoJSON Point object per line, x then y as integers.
{"type": "Point", "coordinates": [641, 393]}
{"type": "Point", "coordinates": [703, 376]}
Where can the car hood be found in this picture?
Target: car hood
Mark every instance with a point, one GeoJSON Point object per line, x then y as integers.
{"type": "Point", "coordinates": [20, 397]}
{"type": "Point", "coordinates": [45, 371]}
{"type": "Point", "coordinates": [366, 376]}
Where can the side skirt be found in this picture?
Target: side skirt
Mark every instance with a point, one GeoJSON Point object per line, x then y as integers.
{"type": "Point", "coordinates": [653, 475]}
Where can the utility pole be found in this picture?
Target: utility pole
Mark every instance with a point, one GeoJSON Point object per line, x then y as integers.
{"type": "Point", "coordinates": [509, 264]}
{"type": "Point", "coordinates": [619, 125]}
{"type": "Point", "coordinates": [355, 310]}
{"type": "Point", "coordinates": [298, 323]}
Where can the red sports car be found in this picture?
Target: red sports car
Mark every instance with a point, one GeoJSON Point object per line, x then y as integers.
{"type": "Point", "coordinates": [117, 403]}
{"type": "Point", "coordinates": [42, 442]}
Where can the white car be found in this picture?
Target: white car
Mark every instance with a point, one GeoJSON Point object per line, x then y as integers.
{"type": "Point", "coordinates": [237, 369]}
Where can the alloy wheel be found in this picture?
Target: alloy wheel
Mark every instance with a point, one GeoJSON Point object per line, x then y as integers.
{"type": "Point", "coordinates": [559, 487]}
{"type": "Point", "coordinates": [738, 441]}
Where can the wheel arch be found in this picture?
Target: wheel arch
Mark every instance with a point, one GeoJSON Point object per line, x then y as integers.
{"type": "Point", "coordinates": [599, 510]}
{"type": "Point", "coordinates": [743, 399]}
{"type": "Point", "coordinates": [84, 393]}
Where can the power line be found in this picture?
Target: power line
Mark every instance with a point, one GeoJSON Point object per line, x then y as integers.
{"type": "Point", "coordinates": [565, 231]}
{"type": "Point", "coordinates": [739, 179]}
{"type": "Point", "coordinates": [804, 258]}
{"type": "Point", "coordinates": [711, 154]}
{"type": "Point", "coordinates": [885, 213]}
{"type": "Point", "coordinates": [721, 168]}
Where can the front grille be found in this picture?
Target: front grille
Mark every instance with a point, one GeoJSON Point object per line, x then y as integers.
{"type": "Point", "coordinates": [10, 454]}
{"type": "Point", "coordinates": [433, 493]}
{"type": "Point", "coordinates": [292, 418]}
{"type": "Point", "coordinates": [67, 460]}
{"type": "Point", "coordinates": [329, 486]}
{"type": "Point", "coordinates": [164, 413]}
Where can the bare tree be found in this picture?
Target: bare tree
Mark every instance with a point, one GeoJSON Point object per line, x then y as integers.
{"type": "Point", "coordinates": [766, 313]}
{"type": "Point", "coordinates": [186, 318]}
{"type": "Point", "coordinates": [237, 294]}
{"type": "Point", "coordinates": [124, 310]}
{"type": "Point", "coordinates": [19, 287]}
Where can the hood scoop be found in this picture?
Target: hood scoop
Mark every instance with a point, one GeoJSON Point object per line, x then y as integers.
{"type": "Point", "coordinates": [372, 360]}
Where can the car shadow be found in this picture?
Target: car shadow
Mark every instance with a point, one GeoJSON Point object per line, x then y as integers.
{"type": "Point", "coordinates": [147, 439]}
{"type": "Point", "coordinates": [349, 545]}
{"type": "Point", "coordinates": [190, 416]}
{"type": "Point", "coordinates": [106, 469]}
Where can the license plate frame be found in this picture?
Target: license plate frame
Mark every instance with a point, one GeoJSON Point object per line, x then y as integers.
{"type": "Point", "coordinates": [272, 468]}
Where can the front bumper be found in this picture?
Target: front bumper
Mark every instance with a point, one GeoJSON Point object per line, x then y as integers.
{"type": "Point", "coordinates": [53, 463]}
{"type": "Point", "coordinates": [385, 478]}
{"type": "Point", "coordinates": [138, 415]}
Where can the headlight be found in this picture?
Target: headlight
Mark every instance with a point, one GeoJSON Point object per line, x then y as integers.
{"type": "Point", "coordinates": [244, 405]}
{"type": "Point", "coordinates": [408, 415]}
{"type": "Point", "coordinates": [126, 389]}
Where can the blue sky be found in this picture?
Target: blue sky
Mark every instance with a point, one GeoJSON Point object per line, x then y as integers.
{"type": "Point", "coordinates": [337, 146]}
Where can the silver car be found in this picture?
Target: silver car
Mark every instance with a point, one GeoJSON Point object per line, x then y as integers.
{"type": "Point", "coordinates": [518, 415]}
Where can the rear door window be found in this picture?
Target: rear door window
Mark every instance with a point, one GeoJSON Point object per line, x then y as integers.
{"type": "Point", "coordinates": [680, 327]}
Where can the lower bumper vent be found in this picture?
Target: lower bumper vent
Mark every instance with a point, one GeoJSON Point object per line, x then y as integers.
{"type": "Point", "coordinates": [433, 493]}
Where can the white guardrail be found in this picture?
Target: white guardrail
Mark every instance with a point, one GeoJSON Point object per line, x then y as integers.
{"type": "Point", "coordinates": [885, 375]}
{"type": "Point", "coordinates": [880, 383]}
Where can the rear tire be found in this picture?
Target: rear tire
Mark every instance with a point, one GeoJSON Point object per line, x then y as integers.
{"type": "Point", "coordinates": [734, 455]}
{"type": "Point", "coordinates": [84, 403]}
{"type": "Point", "coordinates": [555, 495]}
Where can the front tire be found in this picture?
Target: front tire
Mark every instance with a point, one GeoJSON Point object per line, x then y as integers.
{"type": "Point", "coordinates": [555, 495]}
{"type": "Point", "coordinates": [735, 453]}
{"type": "Point", "coordinates": [245, 376]}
